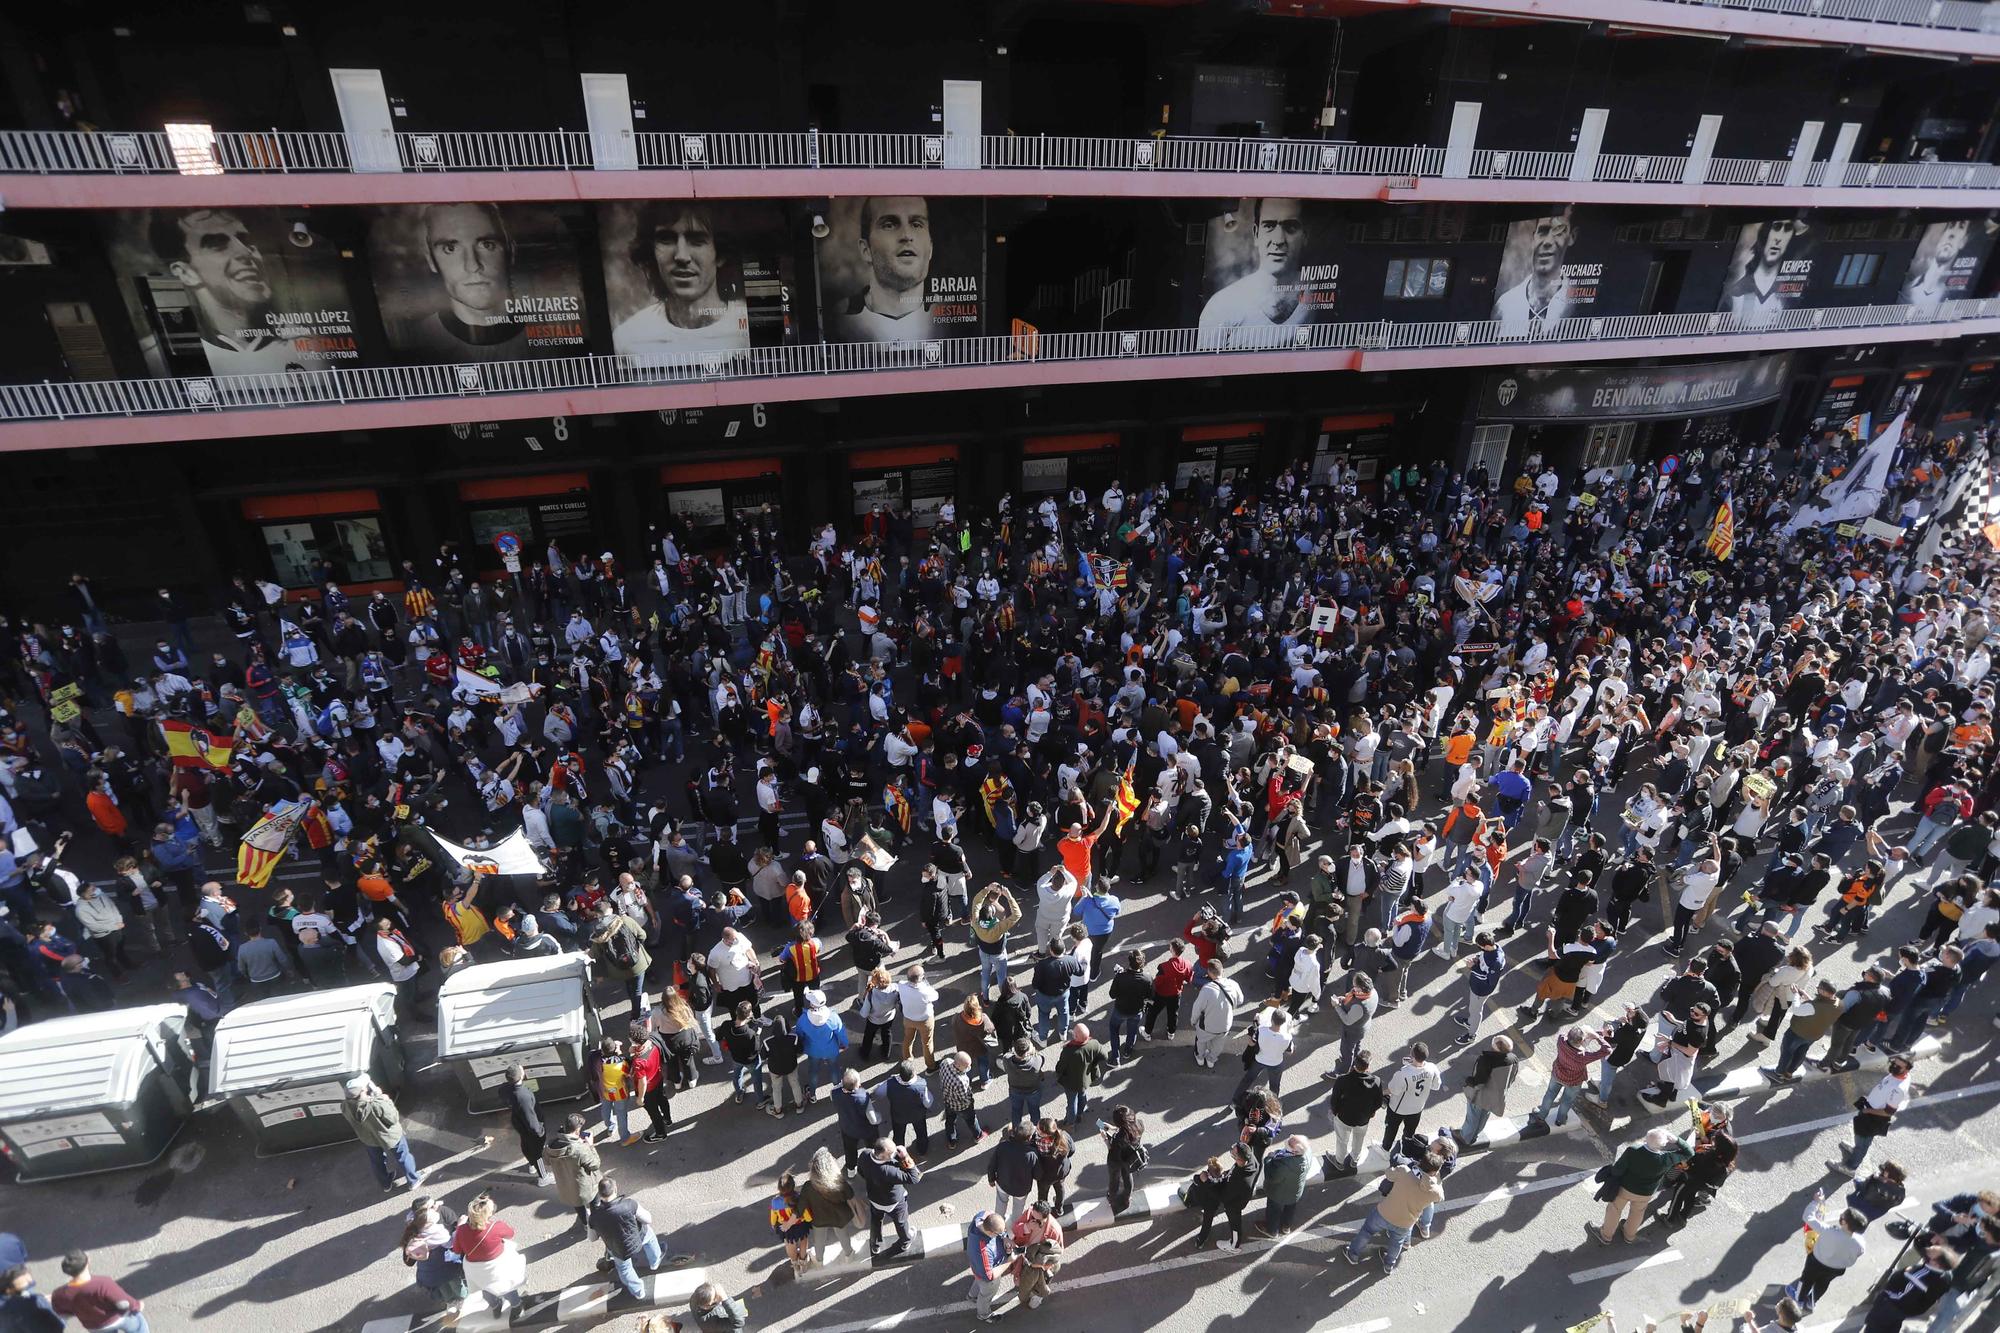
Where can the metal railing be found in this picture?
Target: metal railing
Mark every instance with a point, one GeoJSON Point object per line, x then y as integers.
{"type": "Point", "coordinates": [68, 152]}
{"type": "Point", "coordinates": [150, 397]}
{"type": "Point", "coordinates": [1958, 15]}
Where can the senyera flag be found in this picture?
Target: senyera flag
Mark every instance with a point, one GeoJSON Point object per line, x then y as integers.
{"type": "Point", "coordinates": [1127, 800]}
{"type": "Point", "coordinates": [1722, 536]}
{"type": "Point", "coordinates": [194, 747]}
{"type": "Point", "coordinates": [266, 843]}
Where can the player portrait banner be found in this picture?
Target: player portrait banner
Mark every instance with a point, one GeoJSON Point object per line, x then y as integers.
{"type": "Point", "coordinates": [234, 291]}
{"type": "Point", "coordinates": [1946, 264]}
{"type": "Point", "coordinates": [1475, 592]}
{"type": "Point", "coordinates": [1858, 491]}
{"type": "Point", "coordinates": [196, 747]}
{"type": "Point", "coordinates": [266, 843]}
{"type": "Point", "coordinates": [688, 278]}
{"type": "Point", "coordinates": [1580, 393]}
{"type": "Point", "coordinates": [1554, 267]}
{"type": "Point", "coordinates": [478, 282]}
{"type": "Point", "coordinates": [902, 269]}
{"type": "Point", "coordinates": [476, 686]}
{"type": "Point", "coordinates": [1771, 270]}
{"type": "Point", "coordinates": [1270, 266]}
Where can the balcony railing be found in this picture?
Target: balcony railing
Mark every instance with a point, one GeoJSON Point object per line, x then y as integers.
{"type": "Point", "coordinates": [69, 152]}
{"type": "Point", "coordinates": [1958, 15]}
{"type": "Point", "coordinates": [151, 397]}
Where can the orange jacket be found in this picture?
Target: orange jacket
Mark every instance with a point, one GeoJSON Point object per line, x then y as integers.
{"type": "Point", "coordinates": [107, 814]}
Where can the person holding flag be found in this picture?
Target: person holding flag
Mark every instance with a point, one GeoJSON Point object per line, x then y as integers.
{"type": "Point", "coordinates": [189, 746]}
{"type": "Point", "coordinates": [1127, 800]}
{"type": "Point", "coordinates": [1722, 535]}
{"type": "Point", "coordinates": [266, 842]}
{"type": "Point", "coordinates": [896, 804]}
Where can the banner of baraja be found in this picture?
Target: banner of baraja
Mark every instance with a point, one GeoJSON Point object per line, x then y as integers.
{"type": "Point", "coordinates": [477, 686]}
{"type": "Point", "coordinates": [1874, 529]}
{"type": "Point", "coordinates": [1562, 393]}
{"type": "Point", "coordinates": [1327, 616]}
{"type": "Point", "coordinates": [512, 855]}
{"type": "Point", "coordinates": [1855, 494]}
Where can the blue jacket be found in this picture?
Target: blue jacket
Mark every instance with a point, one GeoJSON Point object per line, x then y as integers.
{"type": "Point", "coordinates": [823, 1041]}
{"type": "Point", "coordinates": [1902, 987]}
{"type": "Point", "coordinates": [1097, 911]}
{"type": "Point", "coordinates": [985, 1255]}
{"type": "Point", "coordinates": [908, 1101]}
{"type": "Point", "coordinates": [1487, 968]}
{"type": "Point", "coordinates": [1236, 862]}
{"type": "Point", "coordinates": [177, 854]}
{"type": "Point", "coordinates": [854, 1115]}
{"type": "Point", "coordinates": [1419, 935]}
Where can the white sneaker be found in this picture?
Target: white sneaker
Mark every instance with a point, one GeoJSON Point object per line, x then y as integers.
{"type": "Point", "coordinates": [1225, 1244]}
{"type": "Point", "coordinates": [1034, 1302]}
{"type": "Point", "coordinates": [711, 1059]}
{"type": "Point", "coordinates": [1145, 1035]}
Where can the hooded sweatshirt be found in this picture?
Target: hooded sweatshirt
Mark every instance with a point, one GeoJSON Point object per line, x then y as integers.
{"type": "Point", "coordinates": [820, 1029]}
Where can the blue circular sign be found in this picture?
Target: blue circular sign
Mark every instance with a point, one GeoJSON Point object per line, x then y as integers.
{"type": "Point", "coordinates": [507, 544]}
{"type": "Point", "coordinates": [1670, 465]}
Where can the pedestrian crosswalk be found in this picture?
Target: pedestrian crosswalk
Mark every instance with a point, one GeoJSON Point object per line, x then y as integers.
{"type": "Point", "coordinates": [1161, 1200]}
{"type": "Point", "coordinates": [585, 1304]}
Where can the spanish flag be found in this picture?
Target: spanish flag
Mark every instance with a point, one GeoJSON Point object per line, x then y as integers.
{"type": "Point", "coordinates": [1127, 799]}
{"type": "Point", "coordinates": [266, 843]}
{"type": "Point", "coordinates": [193, 747]}
{"type": "Point", "coordinates": [1722, 537]}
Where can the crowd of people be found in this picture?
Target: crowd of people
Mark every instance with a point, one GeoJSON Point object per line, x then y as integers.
{"type": "Point", "coordinates": [1427, 733]}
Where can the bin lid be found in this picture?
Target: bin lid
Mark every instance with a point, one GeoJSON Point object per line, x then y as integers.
{"type": "Point", "coordinates": [321, 1035]}
{"type": "Point", "coordinates": [515, 1004]}
{"type": "Point", "coordinates": [85, 1061]}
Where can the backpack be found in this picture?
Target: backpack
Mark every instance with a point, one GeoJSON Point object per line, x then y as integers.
{"type": "Point", "coordinates": [618, 948]}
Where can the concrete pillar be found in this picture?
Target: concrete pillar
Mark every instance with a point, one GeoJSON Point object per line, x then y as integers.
{"type": "Point", "coordinates": [1702, 151]}
{"type": "Point", "coordinates": [1843, 152]}
{"type": "Point", "coordinates": [1458, 146]}
{"type": "Point", "coordinates": [1802, 155]}
{"type": "Point", "coordinates": [1589, 139]}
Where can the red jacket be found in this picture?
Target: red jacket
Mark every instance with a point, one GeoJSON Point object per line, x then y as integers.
{"type": "Point", "coordinates": [481, 1246]}
{"type": "Point", "coordinates": [1944, 790]}
{"type": "Point", "coordinates": [107, 814]}
{"type": "Point", "coordinates": [645, 1067]}
{"type": "Point", "coordinates": [1204, 947]}
{"type": "Point", "coordinates": [1172, 977]}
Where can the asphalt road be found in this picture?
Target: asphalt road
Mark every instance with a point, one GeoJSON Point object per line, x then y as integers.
{"type": "Point", "coordinates": [215, 1237]}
